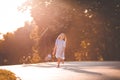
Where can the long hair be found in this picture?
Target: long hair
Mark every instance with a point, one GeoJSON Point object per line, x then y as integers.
{"type": "Point", "coordinates": [62, 34]}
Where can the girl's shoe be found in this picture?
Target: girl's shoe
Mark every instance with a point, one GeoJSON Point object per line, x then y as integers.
{"type": "Point", "coordinates": [58, 66]}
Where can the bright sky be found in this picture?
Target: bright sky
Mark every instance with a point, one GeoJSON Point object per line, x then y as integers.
{"type": "Point", "coordinates": [10, 17]}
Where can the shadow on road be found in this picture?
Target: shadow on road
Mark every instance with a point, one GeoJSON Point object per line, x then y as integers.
{"type": "Point", "coordinates": [75, 69]}
{"type": "Point", "coordinates": [70, 67]}
{"type": "Point", "coordinates": [79, 66]}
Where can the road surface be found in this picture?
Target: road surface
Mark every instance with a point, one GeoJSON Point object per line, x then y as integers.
{"type": "Point", "coordinates": [106, 70]}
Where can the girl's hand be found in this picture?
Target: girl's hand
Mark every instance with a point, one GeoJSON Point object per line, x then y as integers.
{"type": "Point", "coordinates": [53, 53]}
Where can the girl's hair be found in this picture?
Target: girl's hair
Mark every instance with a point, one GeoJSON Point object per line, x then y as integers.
{"type": "Point", "coordinates": [62, 34]}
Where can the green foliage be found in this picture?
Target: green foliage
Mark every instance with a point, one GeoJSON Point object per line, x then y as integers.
{"type": "Point", "coordinates": [77, 56]}
{"type": "Point", "coordinates": [81, 56]}
{"type": "Point", "coordinates": [35, 58]}
{"type": "Point", "coordinates": [7, 75]}
{"type": "Point", "coordinates": [85, 30]}
{"type": "Point", "coordinates": [15, 45]}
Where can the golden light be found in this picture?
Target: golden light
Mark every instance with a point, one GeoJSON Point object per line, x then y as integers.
{"type": "Point", "coordinates": [87, 14]}
{"type": "Point", "coordinates": [86, 11]}
{"type": "Point", "coordinates": [10, 17]}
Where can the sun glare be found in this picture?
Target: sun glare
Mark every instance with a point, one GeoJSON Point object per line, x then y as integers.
{"type": "Point", "coordinates": [10, 17]}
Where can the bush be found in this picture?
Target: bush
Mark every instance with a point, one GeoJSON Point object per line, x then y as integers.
{"type": "Point", "coordinates": [35, 58]}
{"type": "Point", "coordinates": [7, 75]}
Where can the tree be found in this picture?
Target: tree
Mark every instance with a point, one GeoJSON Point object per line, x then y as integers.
{"type": "Point", "coordinates": [16, 45]}
{"type": "Point", "coordinates": [66, 16]}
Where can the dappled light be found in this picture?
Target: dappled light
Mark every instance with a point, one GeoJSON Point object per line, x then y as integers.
{"type": "Point", "coordinates": [29, 29]}
{"type": "Point", "coordinates": [11, 18]}
{"type": "Point", "coordinates": [59, 39]}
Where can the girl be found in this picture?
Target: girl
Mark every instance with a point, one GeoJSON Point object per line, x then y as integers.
{"type": "Point", "coordinates": [59, 48]}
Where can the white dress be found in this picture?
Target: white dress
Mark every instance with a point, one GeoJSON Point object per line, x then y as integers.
{"type": "Point", "coordinates": [60, 44]}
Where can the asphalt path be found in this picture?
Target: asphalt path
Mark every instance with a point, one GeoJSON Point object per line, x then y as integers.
{"type": "Point", "coordinates": [83, 70]}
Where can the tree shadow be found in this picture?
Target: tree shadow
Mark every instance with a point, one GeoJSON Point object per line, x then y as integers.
{"type": "Point", "coordinates": [78, 66]}
{"type": "Point", "coordinates": [78, 70]}
{"type": "Point", "coordinates": [73, 68]}
{"type": "Point", "coordinates": [107, 64]}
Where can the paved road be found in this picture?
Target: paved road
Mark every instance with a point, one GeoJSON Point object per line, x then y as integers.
{"type": "Point", "coordinates": [68, 71]}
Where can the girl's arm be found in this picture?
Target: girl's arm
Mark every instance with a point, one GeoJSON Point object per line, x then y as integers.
{"type": "Point", "coordinates": [65, 43]}
{"type": "Point", "coordinates": [65, 39]}
{"type": "Point", "coordinates": [55, 47]}
{"type": "Point", "coordinates": [54, 50]}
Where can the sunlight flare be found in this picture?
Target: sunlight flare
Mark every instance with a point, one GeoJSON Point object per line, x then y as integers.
{"type": "Point", "coordinates": [10, 17]}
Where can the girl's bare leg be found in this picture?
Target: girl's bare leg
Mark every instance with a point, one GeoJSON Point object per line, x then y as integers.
{"type": "Point", "coordinates": [58, 62]}
{"type": "Point", "coordinates": [62, 61]}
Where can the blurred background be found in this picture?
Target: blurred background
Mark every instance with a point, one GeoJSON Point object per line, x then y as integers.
{"type": "Point", "coordinates": [92, 28]}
